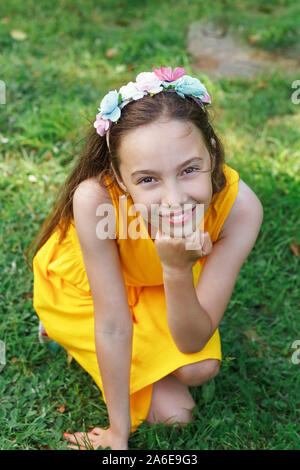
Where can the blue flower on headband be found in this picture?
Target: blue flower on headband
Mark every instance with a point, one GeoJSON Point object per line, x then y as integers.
{"type": "Point", "coordinates": [109, 106]}
{"type": "Point", "coordinates": [187, 85]}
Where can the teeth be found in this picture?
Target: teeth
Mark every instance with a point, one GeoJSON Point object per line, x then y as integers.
{"type": "Point", "coordinates": [178, 217]}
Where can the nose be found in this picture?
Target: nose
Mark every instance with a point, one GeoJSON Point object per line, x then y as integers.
{"type": "Point", "coordinates": [173, 197]}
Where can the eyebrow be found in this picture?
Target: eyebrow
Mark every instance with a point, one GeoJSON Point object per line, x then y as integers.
{"type": "Point", "coordinates": [152, 172]}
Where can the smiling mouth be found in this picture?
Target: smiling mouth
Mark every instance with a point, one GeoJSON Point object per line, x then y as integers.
{"type": "Point", "coordinates": [179, 217]}
{"type": "Point", "coordinates": [177, 214]}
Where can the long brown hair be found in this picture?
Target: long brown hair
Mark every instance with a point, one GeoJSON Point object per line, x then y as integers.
{"type": "Point", "coordinates": [96, 159]}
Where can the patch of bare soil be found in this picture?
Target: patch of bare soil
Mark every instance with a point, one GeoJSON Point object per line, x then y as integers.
{"type": "Point", "coordinates": [219, 52]}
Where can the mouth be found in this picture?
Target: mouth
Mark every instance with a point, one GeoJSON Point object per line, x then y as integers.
{"type": "Point", "coordinates": [176, 218]}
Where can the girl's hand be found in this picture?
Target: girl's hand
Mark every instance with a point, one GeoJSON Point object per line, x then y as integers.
{"type": "Point", "coordinates": [181, 253]}
{"type": "Point", "coordinates": [97, 437]}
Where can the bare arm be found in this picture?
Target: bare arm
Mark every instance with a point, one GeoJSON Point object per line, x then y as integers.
{"type": "Point", "coordinates": [195, 313]}
{"type": "Point", "coordinates": [189, 325]}
{"type": "Point", "coordinates": [113, 322]}
{"type": "Point", "coordinates": [114, 359]}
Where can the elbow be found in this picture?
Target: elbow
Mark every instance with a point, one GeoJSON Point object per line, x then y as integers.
{"type": "Point", "coordinates": [199, 345]}
{"type": "Point", "coordinates": [204, 340]}
{"type": "Point", "coordinates": [195, 349]}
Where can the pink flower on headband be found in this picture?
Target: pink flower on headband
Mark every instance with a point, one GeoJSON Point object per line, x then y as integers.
{"type": "Point", "coordinates": [148, 81]}
{"type": "Point", "coordinates": [166, 74]}
{"type": "Point", "coordinates": [101, 125]}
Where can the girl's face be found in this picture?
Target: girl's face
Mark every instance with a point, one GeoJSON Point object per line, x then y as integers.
{"type": "Point", "coordinates": [162, 164]}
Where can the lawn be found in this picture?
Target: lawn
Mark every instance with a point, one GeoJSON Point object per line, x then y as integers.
{"type": "Point", "coordinates": [71, 53]}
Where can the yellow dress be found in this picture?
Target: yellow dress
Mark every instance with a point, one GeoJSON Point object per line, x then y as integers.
{"type": "Point", "coordinates": [63, 302]}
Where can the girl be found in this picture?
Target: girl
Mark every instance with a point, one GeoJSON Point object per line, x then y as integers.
{"type": "Point", "coordinates": [135, 306]}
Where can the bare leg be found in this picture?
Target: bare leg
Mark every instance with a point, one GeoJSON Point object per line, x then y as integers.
{"type": "Point", "coordinates": [171, 401]}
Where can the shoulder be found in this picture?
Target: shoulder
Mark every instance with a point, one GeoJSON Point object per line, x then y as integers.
{"type": "Point", "coordinates": [91, 188]}
{"type": "Point", "coordinates": [246, 213]}
{"type": "Point", "coordinates": [101, 257]}
{"type": "Point", "coordinates": [87, 200]}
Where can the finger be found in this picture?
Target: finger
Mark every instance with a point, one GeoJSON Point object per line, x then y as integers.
{"type": "Point", "coordinates": [193, 241]}
{"type": "Point", "coordinates": [161, 234]}
{"type": "Point", "coordinates": [201, 235]}
{"type": "Point", "coordinates": [201, 238]}
{"type": "Point", "coordinates": [191, 236]}
{"type": "Point", "coordinates": [166, 235]}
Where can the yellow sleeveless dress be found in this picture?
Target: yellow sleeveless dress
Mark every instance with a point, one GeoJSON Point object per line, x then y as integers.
{"type": "Point", "coordinates": [63, 302]}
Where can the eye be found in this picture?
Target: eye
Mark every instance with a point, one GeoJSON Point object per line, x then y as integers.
{"type": "Point", "coordinates": [147, 177]}
{"type": "Point", "coordinates": [150, 177]}
{"type": "Point", "coordinates": [191, 167]}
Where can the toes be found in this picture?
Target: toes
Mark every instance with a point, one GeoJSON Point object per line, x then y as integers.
{"type": "Point", "coordinates": [76, 438]}
{"type": "Point", "coordinates": [81, 440]}
{"type": "Point", "coordinates": [97, 431]}
{"type": "Point", "coordinates": [74, 447]}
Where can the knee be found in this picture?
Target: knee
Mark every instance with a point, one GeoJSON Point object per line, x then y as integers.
{"type": "Point", "coordinates": [198, 373]}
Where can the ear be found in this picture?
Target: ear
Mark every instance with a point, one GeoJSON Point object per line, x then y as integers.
{"type": "Point", "coordinates": [213, 142]}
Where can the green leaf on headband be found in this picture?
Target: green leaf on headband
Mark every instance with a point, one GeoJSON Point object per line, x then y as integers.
{"type": "Point", "coordinates": [120, 98]}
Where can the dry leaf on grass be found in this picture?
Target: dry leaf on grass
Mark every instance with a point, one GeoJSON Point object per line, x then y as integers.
{"type": "Point", "coordinates": [111, 53]}
{"type": "Point", "coordinates": [251, 334]}
{"type": "Point", "coordinates": [295, 249]}
{"type": "Point", "coordinates": [69, 358]}
{"type": "Point", "coordinates": [18, 35]}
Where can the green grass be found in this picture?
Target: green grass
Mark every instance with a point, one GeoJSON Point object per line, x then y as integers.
{"type": "Point", "coordinates": [55, 80]}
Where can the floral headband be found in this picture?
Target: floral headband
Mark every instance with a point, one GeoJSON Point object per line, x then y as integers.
{"type": "Point", "coordinates": [148, 83]}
